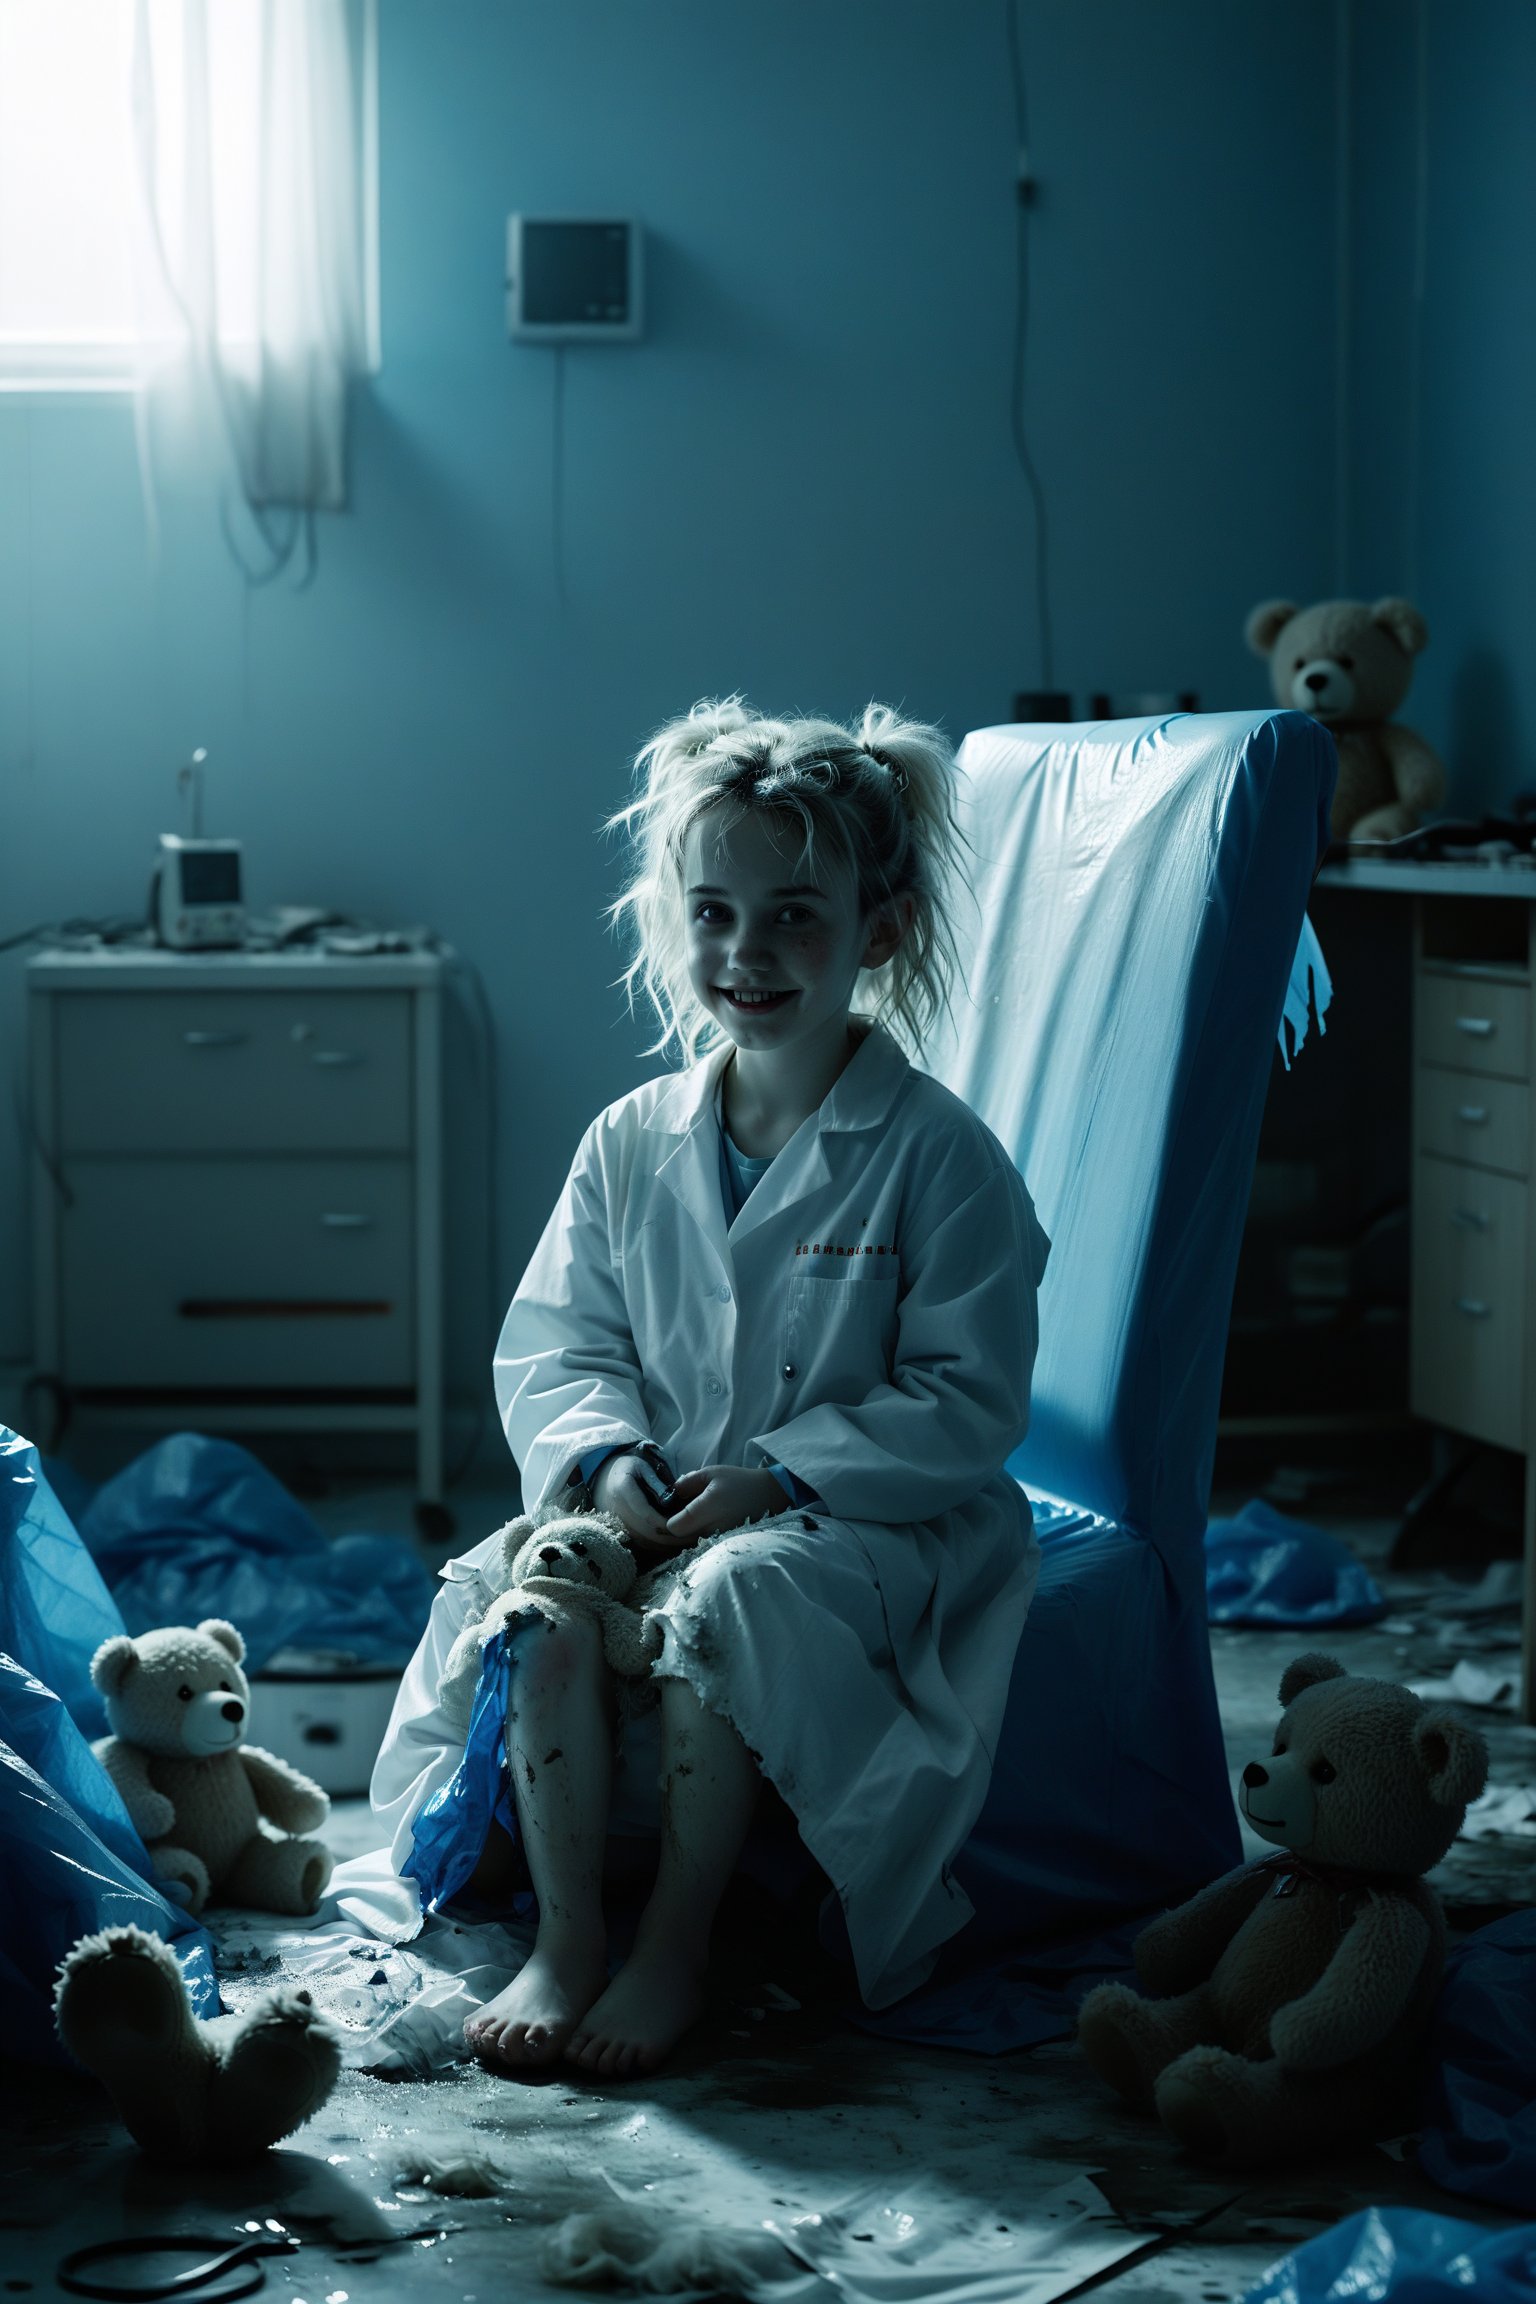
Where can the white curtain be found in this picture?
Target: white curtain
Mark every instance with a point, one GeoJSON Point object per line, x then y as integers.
{"type": "Point", "coordinates": [246, 128]}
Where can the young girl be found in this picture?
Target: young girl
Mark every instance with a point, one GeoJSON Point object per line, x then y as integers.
{"type": "Point", "coordinates": [790, 1292]}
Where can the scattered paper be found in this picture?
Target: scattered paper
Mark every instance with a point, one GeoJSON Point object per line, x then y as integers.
{"type": "Point", "coordinates": [1492, 1687]}
{"type": "Point", "coordinates": [1501, 1586]}
{"type": "Point", "coordinates": [916, 2245]}
{"type": "Point", "coordinates": [1501, 1808]}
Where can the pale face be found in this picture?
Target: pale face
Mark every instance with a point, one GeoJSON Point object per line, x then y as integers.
{"type": "Point", "coordinates": [775, 942]}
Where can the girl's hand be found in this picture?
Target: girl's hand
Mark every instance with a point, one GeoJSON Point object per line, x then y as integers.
{"type": "Point", "coordinates": [722, 1496]}
{"type": "Point", "coordinates": [623, 1486]}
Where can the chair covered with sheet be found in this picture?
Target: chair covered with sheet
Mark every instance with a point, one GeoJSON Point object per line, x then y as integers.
{"type": "Point", "coordinates": [1139, 891]}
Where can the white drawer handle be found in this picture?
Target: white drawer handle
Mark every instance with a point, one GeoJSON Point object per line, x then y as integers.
{"type": "Point", "coordinates": [213, 1039]}
{"type": "Point", "coordinates": [335, 1056]}
{"type": "Point", "coordinates": [1480, 1027]}
{"type": "Point", "coordinates": [1473, 1114]}
{"type": "Point", "coordinates": [340, 1220]}
{"type": "Point", "coordinates": [1471, 1306]}
{"type": "Point", "coordinates": [1478, 1217]}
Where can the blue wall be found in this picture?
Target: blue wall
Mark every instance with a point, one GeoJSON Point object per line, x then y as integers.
{"type": "Point", "coordinates": [801, 485]}
{"type": "Point", "coordinates": [1443, 400]}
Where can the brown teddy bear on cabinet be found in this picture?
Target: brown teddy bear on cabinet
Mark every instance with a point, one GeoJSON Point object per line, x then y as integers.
{"type": "Point", "coordinates": [1298, 1988]}
{"type": "Point", "coordinates": [1348, 663]}
{"type": "Point", "coordinates": [215, 1813]}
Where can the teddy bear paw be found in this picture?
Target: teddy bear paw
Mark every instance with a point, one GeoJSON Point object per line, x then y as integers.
{"type": "Point", "coordinates": [276, 2073]}
{"type": "Point", "coordinates": [121, 2010]}
{"type": "Point", "coordinates": [1117, 2032]}
{"type": "Point", "coordinates": [1205, 2100]}
{"type": "Point", "coordinates": [184, 1869]}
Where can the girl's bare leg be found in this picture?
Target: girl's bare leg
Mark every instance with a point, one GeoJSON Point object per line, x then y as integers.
{"type": "Point", "coordinates": [709, 1788]}
{"type": "Point", "coordinates": [559, 1748]}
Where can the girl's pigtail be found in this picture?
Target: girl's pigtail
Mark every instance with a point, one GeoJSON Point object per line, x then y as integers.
{"type": "Point", "coordinates": [917, 986]}
{"type": "Point", "coordinates": [670, 772]}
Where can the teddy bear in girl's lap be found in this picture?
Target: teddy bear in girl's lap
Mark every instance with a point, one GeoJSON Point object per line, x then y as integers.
{"type": "Point", "coordinates": [1299, 1987]}
{"type": "Point", "coordinates": [572, 1563]}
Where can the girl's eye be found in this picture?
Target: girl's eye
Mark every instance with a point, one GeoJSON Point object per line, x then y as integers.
{"type": "Point", "coordinates": [710, 914]}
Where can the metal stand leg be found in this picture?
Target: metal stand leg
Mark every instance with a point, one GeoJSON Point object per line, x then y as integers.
{"type": "Point", "coordinates": [1528, 1600]}
{"type": "Point", "coordinates": [1434, 1491]}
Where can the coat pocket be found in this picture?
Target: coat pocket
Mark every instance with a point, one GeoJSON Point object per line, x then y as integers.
{"type": "Point", "coordinates": [840, 1330]}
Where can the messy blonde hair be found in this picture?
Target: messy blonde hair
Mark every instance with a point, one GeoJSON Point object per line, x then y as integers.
{"type": "Point", "coordinates": [881, 798]}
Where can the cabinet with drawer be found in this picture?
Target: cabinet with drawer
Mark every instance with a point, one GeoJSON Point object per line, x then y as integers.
{"type": "Point", "coordinates": [1474, 1244]}
{"type": "Point", "coordinates": [237, 1186]}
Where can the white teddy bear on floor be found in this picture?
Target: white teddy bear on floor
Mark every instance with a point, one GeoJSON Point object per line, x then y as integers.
{"type": "Point", "coordinates": [216, 1814]}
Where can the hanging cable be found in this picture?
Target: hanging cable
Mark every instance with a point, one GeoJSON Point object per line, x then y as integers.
{"type": "Point", "coordinates": [1343, 285]}
{"type": "Point", "coordinates": [557, 476]}
{"type": "Point", "coordinates": [1413, 491]}
{"type": "Point", "coordinates": [284, 529]}
{"type": "Point", "coordinates": [1025, 197]}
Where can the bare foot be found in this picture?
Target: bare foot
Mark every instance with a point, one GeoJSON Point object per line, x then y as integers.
{"type": "Point", "coordinates": [531, 2021]}
{"type": "Point", "coordinates": [655, 1998]}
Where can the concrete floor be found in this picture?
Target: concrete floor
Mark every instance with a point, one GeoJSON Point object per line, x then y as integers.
{"type": "Point", "coordinates": [755, 2120]}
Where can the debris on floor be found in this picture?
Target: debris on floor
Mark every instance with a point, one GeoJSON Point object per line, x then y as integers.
{"type": "Point", "coordinates": [444, 2189]}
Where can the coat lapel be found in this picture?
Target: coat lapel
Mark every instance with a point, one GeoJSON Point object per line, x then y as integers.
{"type": "Point", "coordinates": [860, 1098]}
{"type": "Point", "coordinates": [690, 1170]}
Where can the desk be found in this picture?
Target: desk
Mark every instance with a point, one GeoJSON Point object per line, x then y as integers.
{"type": "Point", "coordinates": [1473, 1308]}
{"type": "Point", "coordinates": [237, 1184]}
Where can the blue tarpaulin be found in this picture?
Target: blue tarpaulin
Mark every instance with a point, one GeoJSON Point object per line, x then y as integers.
{"type": "Point", "coordinates": [55, 1610]}
{"type": "Point", "coordinates": [73, 1861]}
{"type": "Point", "coordinates": [1406, 2256]}
{"type": "Point", "coordinates": [1480, 2113]}
{"type": "Point", "coordinates": [196, 1527]}
{"type": "Point", "coordinates": [1263, 1569]}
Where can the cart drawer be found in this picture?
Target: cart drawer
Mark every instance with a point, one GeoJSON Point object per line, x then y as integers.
{"type": "Point", "coordinates": [247, 1274]}
{"type": "Point", "coordinates": [233, 1072]}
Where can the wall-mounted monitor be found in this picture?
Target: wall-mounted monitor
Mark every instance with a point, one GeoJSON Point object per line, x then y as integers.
{"type": "Point", "coordinates": [573, 280]}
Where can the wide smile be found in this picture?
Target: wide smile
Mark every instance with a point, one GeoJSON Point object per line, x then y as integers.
{"type": "Point", "coordinates": [752, 1003]}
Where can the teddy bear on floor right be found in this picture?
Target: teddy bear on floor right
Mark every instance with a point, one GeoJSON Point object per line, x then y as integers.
{"type": "Point", "coordinates": [1296, 1991]}
{"type": "Point", "coordinates": [1348, 663]}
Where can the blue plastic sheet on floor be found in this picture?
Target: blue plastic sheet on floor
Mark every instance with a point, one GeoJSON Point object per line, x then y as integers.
{"type": "Point", "coordinates": [1006, 2004]}
{"type": "Point", "coordinates": [55, 1610]}
{"type": "Point", "coordinates": [196, 1527]}
{"type": "Point", "coordinates": [1262, 1569]}
{"type": "Point", "coordinates": [1407, 2256]}
{"type": "Point", "coordinates": [73, 1862]}
{"type": "Point", "coordinates": [1480, 2111]}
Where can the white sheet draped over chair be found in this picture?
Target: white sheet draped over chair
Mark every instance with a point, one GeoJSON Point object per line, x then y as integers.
{"type": "Point", "coordinates": [1140, 894]}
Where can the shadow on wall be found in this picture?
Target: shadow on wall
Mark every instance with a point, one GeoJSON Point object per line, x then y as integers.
{"type": "Point", "coordinates": [1485, 734]}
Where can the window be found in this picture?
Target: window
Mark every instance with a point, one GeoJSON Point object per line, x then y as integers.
{"type": "Point", "coordinates": [80, 291]}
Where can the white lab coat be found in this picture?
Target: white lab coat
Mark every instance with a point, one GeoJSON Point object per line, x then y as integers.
{"type": "Point", "coordinates": [869, 1321]}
